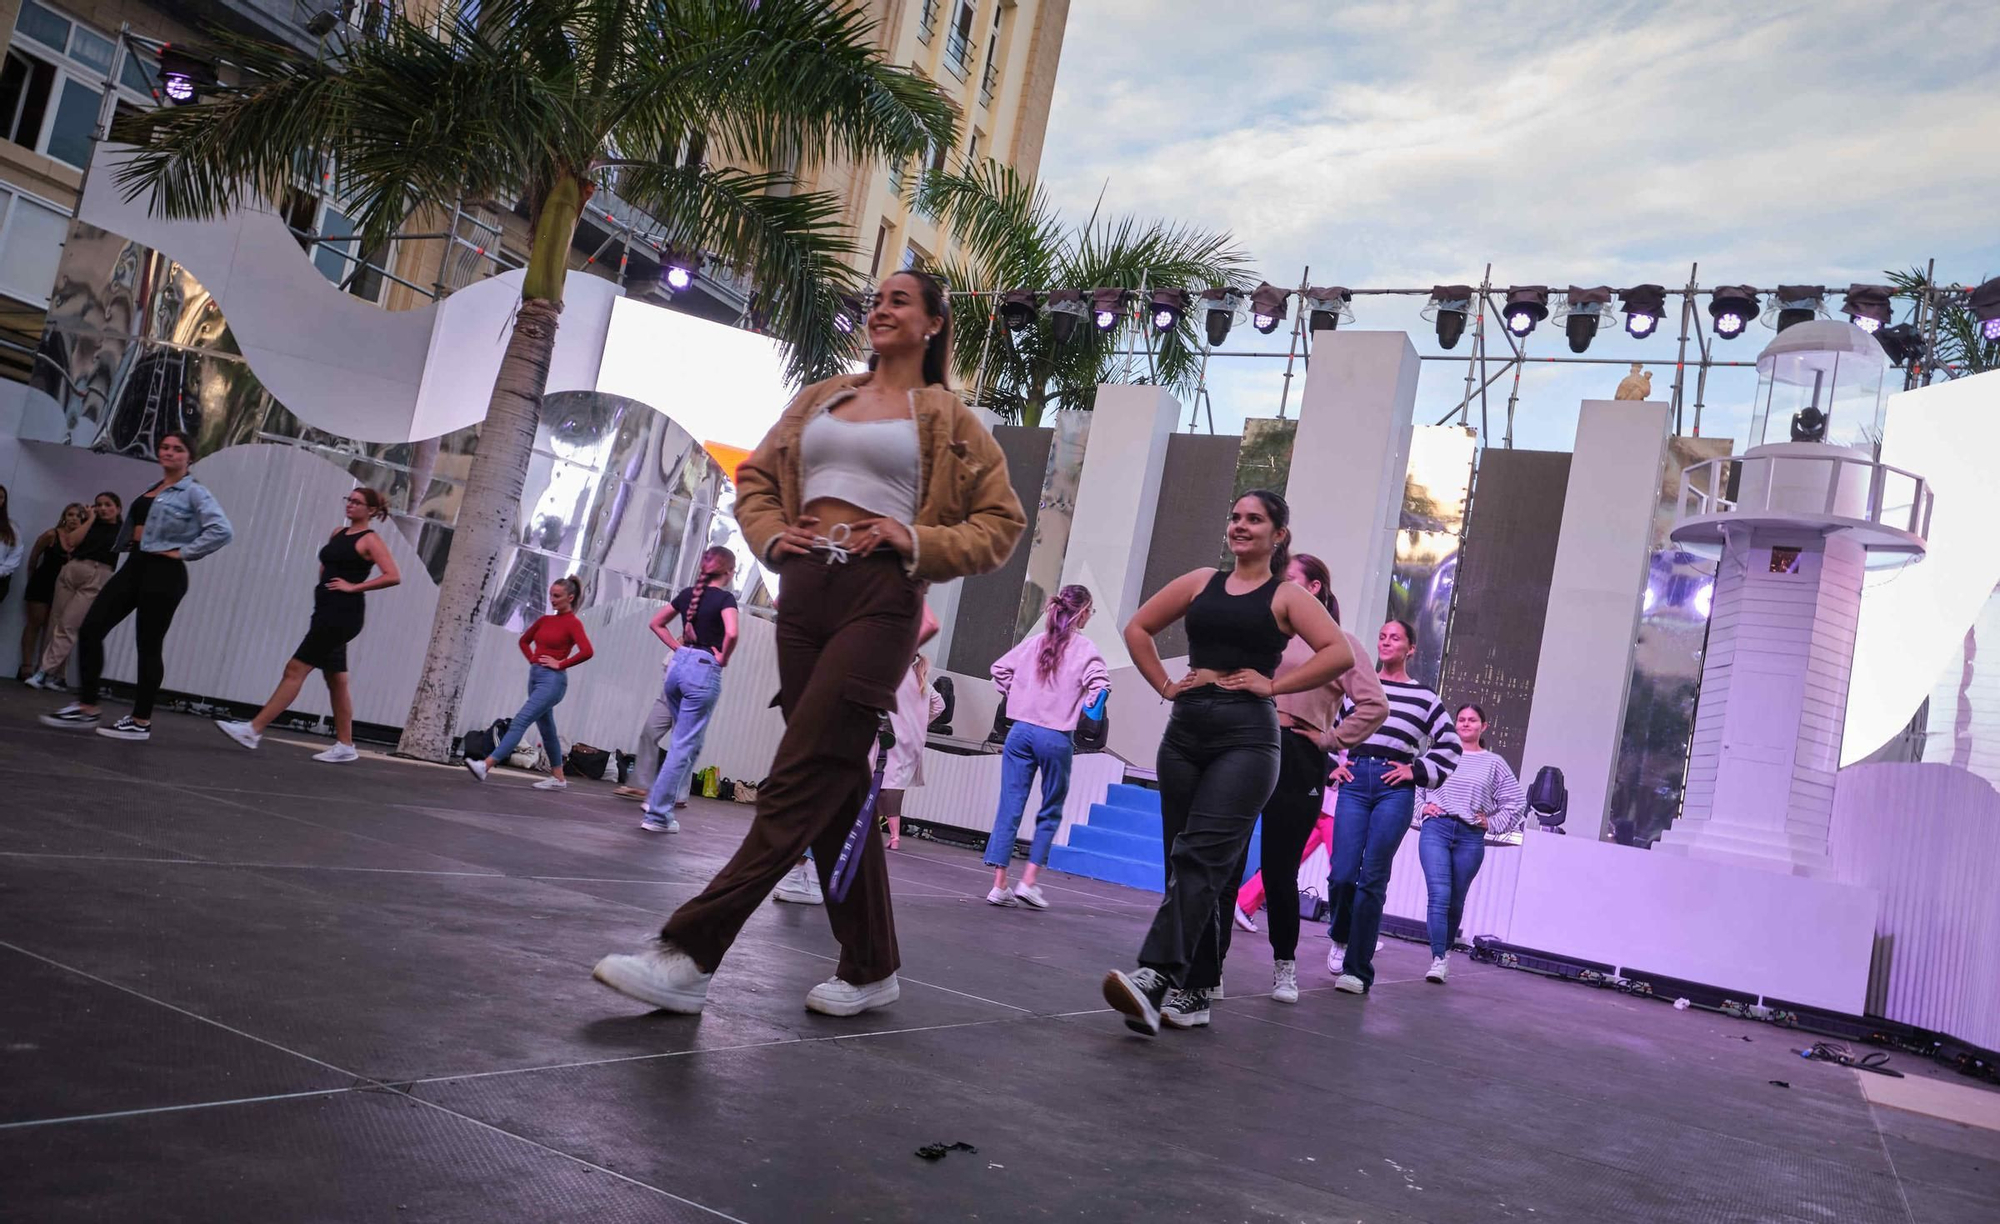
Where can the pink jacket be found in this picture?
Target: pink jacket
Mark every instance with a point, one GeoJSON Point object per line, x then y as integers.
{"type": "Point", "coordinates": [1058, 702]}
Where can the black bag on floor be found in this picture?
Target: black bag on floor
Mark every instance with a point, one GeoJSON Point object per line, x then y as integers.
{"type": "Point", "coordinates": [624, 762]}
{"type": "Point", "coordinates": [942, 723]}
{"type": "Point", "coordinates": [1093, 729]}
{"type": "Point", "coordinates": [588, 761]}
{"type": "Point", "coordinates": [479, 743]}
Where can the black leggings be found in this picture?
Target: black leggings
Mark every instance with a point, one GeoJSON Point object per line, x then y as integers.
{"type": "Point", "coordinates": [152, 586]}
{"type": "Point", "coordinates": [1289, 817]}
{"type": "Point", "coordinates": [1218, 762]}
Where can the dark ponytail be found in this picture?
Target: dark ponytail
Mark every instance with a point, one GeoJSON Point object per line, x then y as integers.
{"type": "Point", "coordinates": [1279, 511]}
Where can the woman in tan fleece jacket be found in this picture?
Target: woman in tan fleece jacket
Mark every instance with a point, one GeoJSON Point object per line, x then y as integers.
{"type": "Point", "coordinates": [870, 487]}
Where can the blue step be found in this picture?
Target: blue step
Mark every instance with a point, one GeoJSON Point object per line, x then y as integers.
{"type": "Point", "coordinates": [1138, 798]}
{"type": "Point", "coordinates": [1149, 874]}
{"type": "Point", "coordinates": [1116, 841]}
{"type": "Point", "coordinates": [1125, 820]}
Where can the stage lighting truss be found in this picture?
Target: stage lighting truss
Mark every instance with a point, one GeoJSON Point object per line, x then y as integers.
{"type": "Point", "coordinates": [1731, 307]}
{"type": "Point", "coordinates": [1017, 310]}
{"type": "Point", "coordinates": [1645, 306]}
{"type": "Point", "coordinates": [1220, 307]}
{"type": "Point", "coordinates": [1449, 307]}
{"type": "Point", "coordinates": [1066, 311]}
{"type": "Point", "coordinates": [1267, 307]}
{"type": "Point", "coordinates": [1108, 307]}
{"type": "Point", "coordinates": [1795, 304]}
{"type": "Point", "coordinates": [1867, 306]}
{"type": "Point", "coordinates": [1582, 311]}
{"type": "Point", "coordinates": [1165, 309]}
{"type": "Point", "coordinates": [1984, 302]}
{"type": "Point", "coordinates": [1330, 307]}
{"type": "Point", "coordinates": [1902, 342]}
{"type": "Point", "coordinates": [1526, 306]}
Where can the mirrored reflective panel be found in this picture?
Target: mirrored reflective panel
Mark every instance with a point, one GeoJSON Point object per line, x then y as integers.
{"type": "Point", "coordinates": [1435, 489]}
{"type": "Point", "coordinates": [1651, 773]}
{"type": "Point", "coordinates": [1053, 520]}
{"type": "Point", "coordinates": [1265, 461]}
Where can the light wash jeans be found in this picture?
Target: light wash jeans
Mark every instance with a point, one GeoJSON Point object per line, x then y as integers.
{"type": "Point", "coordinates": [546, 686]}
{"type": "Point", "coordinates": [693, 686]}
{"type": "Point", "coordinates": [1029, 748]}
{"type": "Point", "coordinates": [1451, 851]}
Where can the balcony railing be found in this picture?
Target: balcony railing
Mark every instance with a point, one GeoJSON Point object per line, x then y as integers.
{"type": "Point", "coordinates": [1887, 508]}
{"type": "Point", "coordinates": [958, 54]}
{"type": "Point", "coordinates": [927, 21]}
{"type": "Point", "coordinates": [989, 81]}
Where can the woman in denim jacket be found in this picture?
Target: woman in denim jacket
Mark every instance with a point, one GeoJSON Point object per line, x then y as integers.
{"type": "Point", "coordinates": [174, 522]}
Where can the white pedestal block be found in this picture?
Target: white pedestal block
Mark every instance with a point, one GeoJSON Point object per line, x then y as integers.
{"type": "Point", "coordinates": [1111, 532]}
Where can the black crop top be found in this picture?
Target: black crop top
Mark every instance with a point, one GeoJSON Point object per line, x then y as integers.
{"type": "Point", "coordinates": [1234, 632]}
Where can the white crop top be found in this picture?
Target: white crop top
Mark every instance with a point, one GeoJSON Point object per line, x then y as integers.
{"type": "Point", "coordinates": [870, 464]}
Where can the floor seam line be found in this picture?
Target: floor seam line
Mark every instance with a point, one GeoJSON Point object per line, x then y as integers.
{"type": "Point", "coordinates": [109, 1115]}
{"type": "Point", "coordinates": [1875, 1123]}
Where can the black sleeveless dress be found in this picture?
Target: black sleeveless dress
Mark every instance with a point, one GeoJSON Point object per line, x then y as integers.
{"type": "Point", "coordinates": [42, 582]}
{"type": "Point", "coordinates": [337, 615]}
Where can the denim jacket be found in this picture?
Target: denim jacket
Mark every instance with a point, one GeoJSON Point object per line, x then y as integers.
{"type": "Point", "coordinates": [185, 516]}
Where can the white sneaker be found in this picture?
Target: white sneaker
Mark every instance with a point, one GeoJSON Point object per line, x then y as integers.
{"type": "Point", "coordinates": [1336, 959]}
{"type": "Point", "coordinates": [338, 754]}
{"type": "Point", "coordinates": [242, 732]}
{"type": "Point", "coordinates": [1243, 921]}
{"type": "Point", "coordinates": [1347, 983]}
{"type": "Point", "coordinates": [1029, 895]}
{"type": "Point", "coordinates": [38, 680]}
{"type": "Point", "coordinates": [653, 822]}
{"type": "Point", "coordinates": [1285, 981]}
{"type": "Point", "coordinates": [801, 887]}
{"type": "Point", "coordinates": [552, 784]}
{"type": "Point", "coordinates": [662, 975]}
{"type": "Point", "coordinates": [476, 768]}
{"type": "Point", "coordinates": [834, 997]}
{"type": "Point", "coordinates": [1440, 969]}
{"type": "Point", "coordinates": [1000, 896]}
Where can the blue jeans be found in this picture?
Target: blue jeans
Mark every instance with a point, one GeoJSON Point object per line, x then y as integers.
{"type": "Point", "coordinates": [1369, 820]}
{"type": "Point", "coordinates": [546, 687]}
{"type": "Point", "coordinates": [1451, 851]}
{"type": "Point", "coordinates": [693, 686]}
{"type": "Point", "coordinates": [1029, 748]}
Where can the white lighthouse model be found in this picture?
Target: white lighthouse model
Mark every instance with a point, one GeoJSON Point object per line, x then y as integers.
{"type": "Point", "coordinates": [1799, 516]}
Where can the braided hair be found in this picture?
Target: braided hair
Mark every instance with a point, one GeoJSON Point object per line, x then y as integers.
{"type": "Point", "coordinates": [716, 562]}
{"type": "Point", "coordinates": [1066, 608]}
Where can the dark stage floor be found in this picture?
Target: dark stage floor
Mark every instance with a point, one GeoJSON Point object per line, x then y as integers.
{"type": "Point", "coordinates": [249, 987]}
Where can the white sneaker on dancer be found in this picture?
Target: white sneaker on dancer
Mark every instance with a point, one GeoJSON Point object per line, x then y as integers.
{"type": "Point", "coordinates": [242, 732]}
{"type": "Point", "coordinates": [1347, 983]}
{"type": "Point", "coordinates": [1243, 921]}
{"type": "Point", "coordinates": [476, 768]}
{"type": "Point", "coordinates": [662, 975]}
{"type": "Point", "coordinates": [656, 823]}
{"type": "Point", "coordinates": [834, 997]}
{"type": "Point", "coordinates": [339, 754]}
{"type": "Point", "coordinates": [1285, 981]}
{"type": "Point", "coordinates": [1029, 895]}
{"type": "Point", "coordinates": [1440, 969]}
{"type": "Point", "coordinates": [1336, 959]}
{"type": "Point", "coordinates": [800, 887]}
{"type": "Point", "coordinates": [999, 896]}
{"type": "Point", "coordinates": [552, 784]}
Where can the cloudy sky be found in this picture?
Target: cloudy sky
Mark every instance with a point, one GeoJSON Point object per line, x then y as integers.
{"type": "Point", "coordinates": [1396, 145]}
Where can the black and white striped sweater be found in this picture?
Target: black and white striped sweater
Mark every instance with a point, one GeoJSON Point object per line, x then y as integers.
{"type": "Point", "coordinates": [1416, 717]}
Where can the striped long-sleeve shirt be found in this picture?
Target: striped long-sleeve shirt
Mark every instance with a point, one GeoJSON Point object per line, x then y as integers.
{"type": "Point", "coordinates": [1416, 719]}
{"type": "Point", "coordinates": [1482, 785]}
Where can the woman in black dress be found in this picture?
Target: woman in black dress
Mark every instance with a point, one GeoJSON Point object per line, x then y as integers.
{"type": "Point", "coordinates": [347, 559]}
{"type": "Point", "coordinates": [45, 560]}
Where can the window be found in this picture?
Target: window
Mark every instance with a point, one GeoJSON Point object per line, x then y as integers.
{"type": "Point", "coordinates": [958, 42]}
{"type": "Point", "coordinates": [52, 86]}
{"type": "Point", "coordinates": [914, 256]}
{"type": "Point", "coordinates": [31, 243]}
{"type": "Point", "coordinates": [881, 241]}
{"type": "Point", "coordinates": [337, 252]}
{"type": "Point", "coordinates": [927, 21]}
{"type": "Point", "coordinates": [972, 151]}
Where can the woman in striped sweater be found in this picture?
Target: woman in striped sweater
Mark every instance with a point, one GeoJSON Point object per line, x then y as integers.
{"type": "Point", "coordinates": [1482, 796]}
{"type": "Point", "coordinates": [1416, 746]}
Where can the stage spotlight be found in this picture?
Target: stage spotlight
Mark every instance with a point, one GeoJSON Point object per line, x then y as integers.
{"type": "Point", "coordinates": [1219, 307]}
{"type": "Point", "coordinates": [1867, 306]}
{"type": "Point", "coordinates": [677, 270]}
{"type": "Point", "coordinates": [1732, 307]}
{"type": "Point", "coordinates": [1017, 310]}
{"type": "Point", "coordinates": [1794, 304]}
{"type": "Point", "coordinates": [1329, 307]}
{"type": "Point", "coordinates": [1066, 310]}
{"type": "Point", "coordinates": [1168, 305]}
{"type": "Point", "coordinates": [1809, 425]}
{"type": "Point", "coordinates": [182, 76]}
{"type": "Point", "coordinates": [1267, 307]}
{"type": "Point", "coordinates": [1107, 306]}
{"type": "Point", "coordinates": [1902, 342]}
{"type": "Point", "coordinates": [1449, 306]}
{"type": "Point", "coordinates": [1583, 309]}
{"type": "Point", "coordinates": [1645, 306]}
{"type": "Point", "coordinates": [1527, 305]}
{"type": "Point", "coordinates": [1985, 305]}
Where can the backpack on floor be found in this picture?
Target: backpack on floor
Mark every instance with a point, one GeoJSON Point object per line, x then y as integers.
{"type": "Point", "coordinates": [942, 723]}
{"type": "Point", "coordinates": [1093, 730]}
{"type": "Point", "coordinates": [476, 744]}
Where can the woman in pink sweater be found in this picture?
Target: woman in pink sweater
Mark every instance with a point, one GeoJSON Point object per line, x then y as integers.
{"type": "Point", "coordinates": [1046, 680]}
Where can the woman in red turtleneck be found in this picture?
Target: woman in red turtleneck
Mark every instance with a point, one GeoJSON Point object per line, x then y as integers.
{"type": "Point", "coordinates": [552, 645]}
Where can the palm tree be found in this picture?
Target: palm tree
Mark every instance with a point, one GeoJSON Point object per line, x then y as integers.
{"type": "Point", "coordinates": [1960, 346]}
{"type": "Point", "coordinates": [1013, 239]}
{"type": "Point", "coordinates": [546, 102]}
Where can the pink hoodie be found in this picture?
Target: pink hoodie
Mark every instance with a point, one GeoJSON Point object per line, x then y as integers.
{"type": "Point", "coordinates": [1058, 702]}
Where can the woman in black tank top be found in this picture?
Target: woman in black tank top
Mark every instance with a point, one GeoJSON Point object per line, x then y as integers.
{"type": "Point", "coordinates": [1218, 760]}
{"type": "Point", "coordinates": [345, 562]}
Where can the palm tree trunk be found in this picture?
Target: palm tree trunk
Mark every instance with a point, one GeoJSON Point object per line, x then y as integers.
{"type": "Point", "coordinates": [492, 503]}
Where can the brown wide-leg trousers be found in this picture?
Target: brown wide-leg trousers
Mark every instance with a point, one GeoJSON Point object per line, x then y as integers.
{"type": "Point", "coordinates": [845, 636]}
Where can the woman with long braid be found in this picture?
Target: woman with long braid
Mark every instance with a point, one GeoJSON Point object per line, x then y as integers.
{"type": "Point", "coordinates": [1218, 760]}
{"type": "Point", "coordinates": [1416, 746]}
{"type": "Point", "coordinates": [693, 682]}
{"type": "Point", "coordinates": [1047, 680]}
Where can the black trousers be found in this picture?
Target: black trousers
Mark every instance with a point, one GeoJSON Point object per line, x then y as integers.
{"type": "Point", "coordinates": [1289, 817]}
{"type": "Point", "coordinates": [152, 586]}
{"type": "Point", "coordinates": [1217, 764]}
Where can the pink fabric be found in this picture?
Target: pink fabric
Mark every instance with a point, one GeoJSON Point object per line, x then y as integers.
{"type": "Point", "coordinates": [1058, 702]}
{"type": "Point", "coordinates": [1250, 898]}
